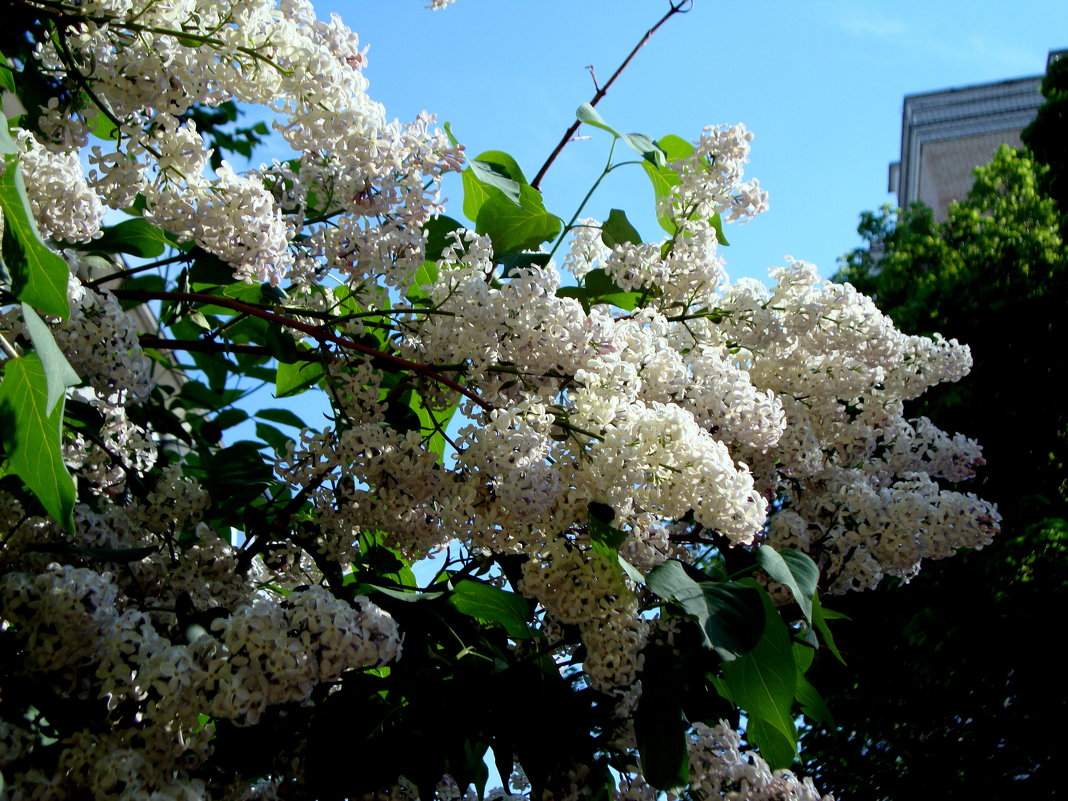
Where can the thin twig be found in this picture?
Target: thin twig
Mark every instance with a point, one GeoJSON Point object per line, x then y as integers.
{"type": "Point", "coordinates": [682, 6]}
{"type": "Point", "coordinates": [202, 346]}
{"type": "Point", "coordinates": [120, 274]}
{"type": "Point", "coordinates": [8, 348]}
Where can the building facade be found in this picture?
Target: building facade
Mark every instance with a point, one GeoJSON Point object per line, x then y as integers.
{"type": "Point", "coordinates": [947, 134]}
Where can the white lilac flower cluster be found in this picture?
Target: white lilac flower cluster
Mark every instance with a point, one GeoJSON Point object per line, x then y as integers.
{"type": "Point", "coordinates": [84, 631]}
{"type": "Point", "coordinates": [720, 769]}
{"type": "Point", "coordinates": [308, 71]}
{"type": "Point", "coordinates": [64, 206]}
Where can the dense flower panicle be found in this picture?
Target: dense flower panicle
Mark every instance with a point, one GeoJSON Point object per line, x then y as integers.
{"type": "Point", "coordinates": [100, 341]}
{"type": "Point", "coordinates": [64, 206]}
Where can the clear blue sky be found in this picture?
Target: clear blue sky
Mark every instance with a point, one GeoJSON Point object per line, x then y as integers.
{"type": "Point", "coordinates": [820, 83]}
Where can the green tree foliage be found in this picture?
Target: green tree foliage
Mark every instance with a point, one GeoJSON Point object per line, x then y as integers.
{"type": "Point", "coordinates": [949, 697]}
{"type": "Point", "coordinates": [1045, 136]}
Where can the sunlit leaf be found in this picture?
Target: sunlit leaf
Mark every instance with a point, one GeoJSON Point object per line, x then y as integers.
{"type": "Point", "coordinates": [32, 437]}
{"type": "Point", "coordinates": [58, 373]}
{"type": "Point", "coordinates": [794, 569]}
{"type": "Point", "coordinates": [38, 274]}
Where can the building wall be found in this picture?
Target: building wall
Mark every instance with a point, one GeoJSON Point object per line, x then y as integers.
{"type": "Point", "coordinates": [946, 134]}
{"type": "Point", "coordinates": [947, 164]}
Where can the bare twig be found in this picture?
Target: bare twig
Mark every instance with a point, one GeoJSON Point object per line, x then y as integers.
{"type": "Point", "coordinates": [675, 7]}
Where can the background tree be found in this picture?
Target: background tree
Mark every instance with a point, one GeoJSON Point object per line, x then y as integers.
{"type": "Point", "coordinates": [1045, 136]}
{"type": "Point", "coordinates": [948, 698]}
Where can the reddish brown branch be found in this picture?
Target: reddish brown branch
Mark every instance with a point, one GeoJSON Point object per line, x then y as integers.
{"type": "Point", "coordinates": [681, 6]}
{"type": "Point", "coordinates": [321, 333]}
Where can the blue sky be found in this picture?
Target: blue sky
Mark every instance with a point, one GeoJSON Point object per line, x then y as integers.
{"type": "Point", "coordinates": [820, 83]}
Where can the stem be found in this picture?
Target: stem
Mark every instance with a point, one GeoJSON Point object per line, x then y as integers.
{"type": "Point", "coordinates": [681, 6]}
{"type": "Point", "coordinates": [562, 423]}
{"type": "Point", "coordinates": [116, 276]}
{"type": "Point", "coordinates": [571, 223]}
{"type": "Point", "coordinates": [8, 348]}
{"type": "Point", "coordinates": [202, 346]}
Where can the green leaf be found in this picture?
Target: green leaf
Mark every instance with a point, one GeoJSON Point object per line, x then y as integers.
{"type": "Point", "coordinates": [58, 373]}
{"type": "Point", "coordinates": [32, 437]}
{"type": "Point", "coordinates": [200, 396]}
{"type": "Point", "coordinates": [631, 571]}
{"type": "Point", "coordinates": [675, 147]}
{"type": "Point", "coordinates": [475, 194]}
{"type": "Point", "coordinates": [448, 132]}
{"type": "Point", "coordinates": [597, 288]}
{"type": "Point", "coordinates": [492, 604]}
{"type": "Point", "coordinates": [7, 80]}
{"type": "Point", "coordinates": [803, 656]}
{"type": "Point", "coordinates": [283, 416]}
{"type": "Point", "coordinates": [597, 283]}
{"type": "Point", "coordinates": [794, 569]}
{"type": "Point", "coordinates": [406, 595]}
{"type": "Point", "coordinates": [149, 283]}
{"type": "Point", "coordinates": [437, 230]}
{"type": "Point", "coordinates": [432, 422]}
{"type": "Point", "coordinates": [7, 144]}
{"type": "Point", "coordinates": [649, 150]}
{"type": "Point", "coordinates": [762, 681]}
{"type": "Point", "coordinates": [38, 274]}
{"type": "Point", "coordinates": [238, 474]}
{"type": "Point", "coordinates": [138, 237]}
{"type": "Point", "coordinates": [640, 143]}
{"type": "Point", "coordinates": [605, 538]}
{"type": "Point", "coordinates": [588, 114]}
{"type": "Point", "coordinates": [499, 160]}
{"type": "Point", "coordinates": [228, 418]}
{"type": "Point", "coordinates": [599, 517]}
{"type": "Point", "coordinates": [812, 703]}
{"type": "Point", "coordinates": [516, 227]}
{"type": "Point", "coordinates": [576, 292]}
{"type": "Point", "coordinates": [717, 224]}
{"type": "Point", "coordinates": [497, 175]}
{"type": "Point", "coordinates": [776, 748]}
{"type": "Point", "coordinates": [427, 275]}
{"type": "Point", "coordinates": [282, 345]}
{"type": "Point", "coordinates": [622, 300]}
{"type": "Point", "coordinates": [293, 379]}
{"type": "Point", "coordinates": [820, 616]}
{"type": "Point", "coordinates": [729, 613]}
{"type": "Point", "coordinates": [662, 177]}
{"type": "Point", "coordinates": [617, 230]}
{"type": "Point", "coordinates": [510, 262]}
{"type": "Point", "coordinates": [103, 128]}
{"type": "Point", "coordinates": [504, 206]}
{"type": "Point", "coordinates": [207, 268]}
{"type": "Point", "coordinates": [278, 441]}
